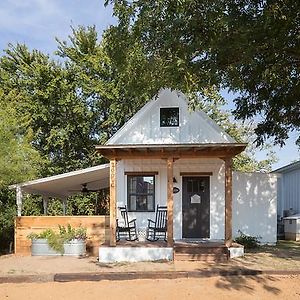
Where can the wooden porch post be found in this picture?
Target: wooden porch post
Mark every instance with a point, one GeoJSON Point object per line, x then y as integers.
{"type": "Point", "coordinates": [228, 201]}
{"type": "Point", "coordinates": [170, 202]}
{"type": "Point", "coordinates": [112, 203]}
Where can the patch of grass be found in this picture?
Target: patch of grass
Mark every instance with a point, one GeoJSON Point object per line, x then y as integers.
{"type": "Point", "coordinates": [282, 244]}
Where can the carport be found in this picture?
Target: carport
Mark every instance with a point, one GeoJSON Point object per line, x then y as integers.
{"type": "Point", "coordinates": [63, 185]}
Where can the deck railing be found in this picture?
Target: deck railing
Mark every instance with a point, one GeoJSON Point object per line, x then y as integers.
{"type": "Point", "coordinates": [97, 230]}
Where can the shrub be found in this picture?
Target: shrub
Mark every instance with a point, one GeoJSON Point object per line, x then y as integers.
{"type": "Point", "coordinates": [56, 240]}
{"type": "Point", "coordinates": [248, 241]}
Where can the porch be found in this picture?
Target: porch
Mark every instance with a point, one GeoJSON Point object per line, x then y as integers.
{"type": "Point", "coordinates": [165, 163]}
{"type": "Point", "coordinates": [182, 250]}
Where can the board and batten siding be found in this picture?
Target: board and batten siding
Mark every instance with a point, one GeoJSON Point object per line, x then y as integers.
{"type": "Point", "coordinates": [217, 203]}
{"type": "Point", "coordinates": [194, 126]}
{"type": "Point", "coordinates": [255, 205]}
{"type": "Point", "coordinates": [97, 230]}
{"type": "Point", "coordinates": [254, 196]}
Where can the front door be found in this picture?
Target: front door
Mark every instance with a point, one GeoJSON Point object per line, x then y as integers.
{"type": "Point", "coordinates": [195, 207]}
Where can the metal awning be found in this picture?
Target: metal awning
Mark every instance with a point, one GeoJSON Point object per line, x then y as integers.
{"type": "Point", "coordinates": [67, 184]}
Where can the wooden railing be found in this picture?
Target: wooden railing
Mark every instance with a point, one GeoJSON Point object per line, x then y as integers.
{"type": "Point", "coordinates": [97, 230]}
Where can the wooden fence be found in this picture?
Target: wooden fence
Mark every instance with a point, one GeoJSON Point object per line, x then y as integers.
{"type": "Point", "coordinates": [97, 230]}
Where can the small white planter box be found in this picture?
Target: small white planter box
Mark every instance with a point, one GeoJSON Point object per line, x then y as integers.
{"type": "Point", "coordinates": [40, 247]}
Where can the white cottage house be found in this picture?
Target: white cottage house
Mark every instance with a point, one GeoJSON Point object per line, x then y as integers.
{"type": "Point", "coordinates": [169, 156]}
{"type": "Point", "coordinates": [166, 146]}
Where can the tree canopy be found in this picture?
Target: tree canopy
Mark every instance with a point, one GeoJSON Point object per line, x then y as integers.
{"type": "Point", "coordinates": [54, 110]}
{"type": "Point", "coordinates": [248, 47]}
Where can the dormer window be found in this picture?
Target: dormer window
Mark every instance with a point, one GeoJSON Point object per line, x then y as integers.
{"type": "Point", "coordinates": [169, 117]}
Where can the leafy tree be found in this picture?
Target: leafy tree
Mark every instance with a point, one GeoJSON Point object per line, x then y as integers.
{"type": "Point", "coordinates": [249, 47]}
{"type": "Point", "coordinates": [7, 216]}
{"type": "Point", "coordinates": [19, 161]}
{"type": "Point", "coordinates": [246, 161]}
{"type": "Point", "coordinates": [60, 121]}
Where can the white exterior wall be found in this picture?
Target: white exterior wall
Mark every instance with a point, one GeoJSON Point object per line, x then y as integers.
{"type": "Point", "coordinates": [255, 205]}
{"type": "Point", "coordinates": [194, 126]}
{"type": "Point", "coordinates": [254, 197]}
{"type": "Point", "coordinates": [216, 166]}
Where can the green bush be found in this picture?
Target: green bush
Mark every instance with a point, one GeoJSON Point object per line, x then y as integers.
{"type": "Point", "coordinates": [248, 241]}
{"type": "Point", "coordinates": [56, 240]}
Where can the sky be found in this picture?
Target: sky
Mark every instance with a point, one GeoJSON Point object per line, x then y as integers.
{"type": "Point", "coordinates": [38, 22]}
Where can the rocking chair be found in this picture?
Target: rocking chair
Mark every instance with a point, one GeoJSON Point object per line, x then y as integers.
{"type": "Point", "coordinates": [158, 229]}
{"type": "Point", "coordinates": [128, 228]}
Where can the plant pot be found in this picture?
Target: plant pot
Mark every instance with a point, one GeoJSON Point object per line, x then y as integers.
{"type": "Point", "coordinates": [40, 247]}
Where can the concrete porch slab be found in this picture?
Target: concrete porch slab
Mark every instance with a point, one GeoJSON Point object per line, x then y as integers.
{"type": "Point", "coordinates": [134, 254]}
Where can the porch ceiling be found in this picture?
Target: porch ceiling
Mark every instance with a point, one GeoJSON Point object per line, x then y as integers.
{"type": "Point", "coordinates": [171, 150]}
{"type": "Point", "coordinates": [66, 184]}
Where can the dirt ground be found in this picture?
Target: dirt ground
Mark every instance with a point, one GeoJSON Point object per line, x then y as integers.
{"type": "Point", "coordinates": [259, 287]}
{"type": "Point", "coordinates": [285, 256]}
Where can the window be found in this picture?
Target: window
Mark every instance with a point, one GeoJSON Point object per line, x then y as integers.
{"type": "Point", "coordinates": [141, 192]}
{"type": "Point", "coordinates": [169, 117]}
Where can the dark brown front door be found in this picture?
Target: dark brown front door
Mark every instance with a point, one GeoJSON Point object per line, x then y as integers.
{"type": "Point", "coordinates": [195, 207]}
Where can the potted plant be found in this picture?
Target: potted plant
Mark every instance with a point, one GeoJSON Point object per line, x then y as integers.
{"type": "Point", "coordinates": [67, 241]}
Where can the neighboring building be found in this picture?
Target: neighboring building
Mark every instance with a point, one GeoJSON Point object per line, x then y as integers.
{"type": "Point", "coordinates": [288, 192]}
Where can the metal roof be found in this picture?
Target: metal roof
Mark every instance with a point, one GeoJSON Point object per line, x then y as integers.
{"type": "Point", "coordinates": [288, 168]}
{"type": "Point", "coordinates": [66, 184]}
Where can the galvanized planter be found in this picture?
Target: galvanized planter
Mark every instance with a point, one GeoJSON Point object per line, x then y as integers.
{"type": "Point", "coordinates": [40, 247]}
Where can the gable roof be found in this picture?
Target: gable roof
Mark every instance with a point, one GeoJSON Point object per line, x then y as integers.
{"type": "Point", "coordinates": [194, 127]}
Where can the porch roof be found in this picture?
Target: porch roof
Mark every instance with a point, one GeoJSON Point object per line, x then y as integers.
{"type": "Point", "coordinates": [171, 150]}
{"type": "Point", "coordinates": [66, 184]}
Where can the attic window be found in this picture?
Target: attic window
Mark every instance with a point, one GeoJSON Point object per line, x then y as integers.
{"type": "Point", "coordinates": [169, 117]}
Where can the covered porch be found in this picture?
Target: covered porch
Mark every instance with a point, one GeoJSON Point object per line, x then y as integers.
{"type": "Point", "coordinates": [170, 155]}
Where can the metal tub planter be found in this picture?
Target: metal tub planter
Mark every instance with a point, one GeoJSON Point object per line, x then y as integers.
{"type": "Point", "coordinates": [66, 241]}
{"type": "Point", "coordinates": [40, 247]}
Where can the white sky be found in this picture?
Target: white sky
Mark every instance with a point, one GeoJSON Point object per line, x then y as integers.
{"type": "Point", "coordinates": [37, 22]}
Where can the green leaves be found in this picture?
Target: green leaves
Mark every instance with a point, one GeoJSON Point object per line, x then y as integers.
{"type": "Point", "coordinates": [249, 47]}
{"type": "Point", "coordinates": [19, 161]}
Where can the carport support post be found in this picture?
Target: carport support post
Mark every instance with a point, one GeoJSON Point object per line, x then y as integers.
{"type": "Point", "coordinates": [170, 202]}
{"type": "Point", "coordinates": [228, 201]}
{"type": "Point", "coordinates": [45, 204]}
{"type": "Point", "coordinates": [19, 198]}
{"type": "Point", "coordinates": [112, 202]}
{"type": "Point", "coordinates": [64, 206]}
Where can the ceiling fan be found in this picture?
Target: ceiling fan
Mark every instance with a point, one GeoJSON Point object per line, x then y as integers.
{"type": "Point", "coordinates": [85, 189]}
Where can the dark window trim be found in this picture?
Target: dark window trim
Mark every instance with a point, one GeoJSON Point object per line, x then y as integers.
{"type": "Point", "coordinates": [165, 108]}
{"type": "Point", "coordinates": [141, 174]}
{"type": "Point", "coordinates": [195, 174]}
